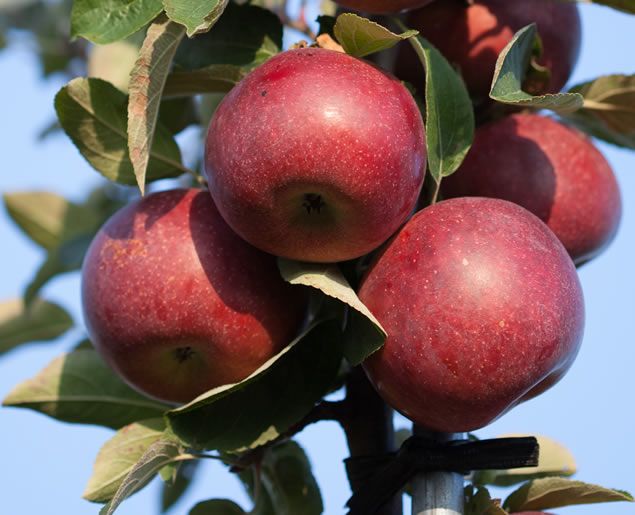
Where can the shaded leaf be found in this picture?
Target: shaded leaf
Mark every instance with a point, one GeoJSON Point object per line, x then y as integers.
{"type": "Point", "coordinates": [78, 387]}
{"type": "Point", "coordinates": [509, 73]}
{"type": "Point", "coordinates": [172, 492]}
{"type": "Point", "coordinates": [41, 321]}
{"type": "Point", "coordinates": [113, 63]}
{"type": "Point", "coordinates": [479, 502]}
{"type": "Point", "coordinates": [364, 333]}
{"type": "Point", "coordinates": [93, 114]}
{"type": "Point", "coordinates": [608, 112]}
{"type": "Point", "coordinates": [175, 114]}
{"type": "Point", "coordinates": [48, 218]}
{"type": "Point", "coordinates": [286, 475]}
{"type": "Point", "coordinates": [119, 455]}
{"type": "Point", "coordinates": [160, 454]}
{"type": "Point", "coordinates": [361, 37]}
{"type": "Point", "coordinates": [146, 86]}
{"type": "Point", "coordinates": [268, 402]}
{"type": "Point", "coordinates": [449, 114]}
{"type": "Point", "coordinates": [105, 21]}
{"type": "Point", "coordinates": [556, 492]}
{"type": "Point", "coordinates": [246, 36]}
{"type": "Point", "coordinates": [555, 460]}
{"type": "Point", "coordinates": [216, 78]}
{"type": "Point", "coordinates": [196, 16]}
{"type": "Point", "coordinates": [217, 507]}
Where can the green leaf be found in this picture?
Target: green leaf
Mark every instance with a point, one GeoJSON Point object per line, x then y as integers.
{"type": "Point", "coordinates": [276, 396]}
{"type": "Point", "coordinates": [449, 113]}
{"type": "Point", "coordinates": [178, 113]}
{"type": "Point", "coordinates": [68, 257]}
{"type": "Point", "coordinates": [47, 218]}
{"type": "Point", "coordinates": [245, 36]}
{"type": "Point", "coordinates": [197, 16]}
{"type": "Point", "coordinates": [172, 492]}
{"type": "Point", "coordinates": [364, 333]}
{"type": "Point", "coordinates": [119, 455]}
{"type": "Point", "coordinates": [555, 460]}
{"type": "Point", "coordinates": [361, 37]}
{"type": "Point", "coordinates": [160, 454]}
{"type": "Point", "coordinates": [216, 78]}
{"type": "Point", "coordinates": [105, 21]}
{"type": "Point", "coordinates": [627, 6]}
{"type": "Point", "coordinates": [217, 507]}
{"type": "Point", "coordinates": [554, 492]}
{"type": "Point", "coordinates": [41, 321]}
{"type": "Point", "coordinates": [113, 63]}
{"type": "Point", "coordinates": [608, 112]}
{"type": "Point", "coordinates": [479, 502]}
{"type": "Point", "coordinates": [94, 115]}
{"type": "Point", "coordinates": [509, 73]}
{"type": "Point", "coordinates": [286, 475]}
{"type": "Point", "coordinates": [146, 86]}
{"type": "Point", "coordinates": [78, 387]}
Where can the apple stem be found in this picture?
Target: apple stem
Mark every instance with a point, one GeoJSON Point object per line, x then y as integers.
{"type": "Point", "coordinates": [369, 429]}
{"type": "Point", "coordinates": [438, 493]}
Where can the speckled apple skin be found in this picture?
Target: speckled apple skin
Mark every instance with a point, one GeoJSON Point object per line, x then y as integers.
{"type": "Point", "coordinates": [316, 122]}
{"type": "Point", "coordinates": [553, 171]}
{"type": "Point", "coordinates": [382, 6]}
{"type": "Point", "coordinates": [165, 274]}
{"type": "Point", "coordinates": [482, 305]}
{"type": "Point", "coordinates": [472, 36]}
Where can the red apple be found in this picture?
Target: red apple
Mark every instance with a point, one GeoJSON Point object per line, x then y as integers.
{"type": "Point", "coordinates": [482, 306]}
{"type": "Point", "coordinates": [382, 6]}
{"type": "Point", "coordinates": [472, 34]}
{"type": "Point", "coordinates": [316, 156]}
{"type": "Point", "coordinates": [177, 303]}
{"type": "Point", "coordinates": [553, 171]}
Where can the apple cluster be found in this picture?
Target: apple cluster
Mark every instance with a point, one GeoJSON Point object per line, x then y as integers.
{"type": "Point", "coordinates": [320, 157]}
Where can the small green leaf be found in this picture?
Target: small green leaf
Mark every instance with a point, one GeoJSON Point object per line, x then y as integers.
{"type": "Point", "coordinates": [261, 407]}
{"type": "Point", "coordinates": [160, 454]}
{"type": "Point", "coordinates": [47, 218]}
{"type": "Point", "coordinates": [41, 321]}
{"type": "Point", "coordinates": [542, 494]}
{"type": "Point", "coordinates": [105, 21]}
{"type": "Point", "coordinates": [119, 455]}
{"type": "Point", "coordinates": [480, 502]}
{"type": "Point", "coordinates": [217, 507]}
{"type": "Point", "coordinates": [78, 387]}
{"type": "Point", "coordinates": [361, 37]}
{"type": "Point", "coordinates": [216, 78]}
{"type": "Point", "coordinates": [286, 475]}
{"type": "Point", "coordinates": [196, 16]}
{"type": "Point", "coordinates": [608, 112]}
{"type": "Point", "coordinates": [449, 113]}
{"type": "Point", "coordinates": [555, 460]}
{"type": "Point", "coordinates": [364, 333]}
{"type": "Point", "coordinates": [509, 73]}
{"type": "Point", "coordinates": [627, 6]}
{"type": "Point", "coordinates": [146, 87]}
{"type": "Point", "coordinates": [245, 36]}
{"type": "Point", "coordinates": [172, 492]}
{"type": "Point", "coordinates": [93, 114]}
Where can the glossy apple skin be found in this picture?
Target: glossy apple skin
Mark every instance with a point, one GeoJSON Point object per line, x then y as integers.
{"type": "Point", "coordinates": [472, 36]}
{"type": "Point", "coordinates": [178, 304]}
{"type": "Point", "coordinates": [382, 6]}
{"type": "Point", "coordinates": [550, 169]}
{"type": "Point", "coordinates": [482, 305]}
{"type": "Point", "coordinates": [316, 156]}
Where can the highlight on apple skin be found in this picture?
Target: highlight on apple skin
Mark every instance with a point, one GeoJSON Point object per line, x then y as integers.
{"type": "Point", "coordinates": [550, 169]}
{"type": "Point", "coordinates": [178, 304]}
{"type": "Point", "coordinates": [471, 36]}
{"type": "Point", "coordinates": [316, 156]}
{"type": "Point", "coordinates": [483, 310]}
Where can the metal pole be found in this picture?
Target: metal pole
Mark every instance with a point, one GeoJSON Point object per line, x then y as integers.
{"type": "Point", "coordinates": [438, 493]}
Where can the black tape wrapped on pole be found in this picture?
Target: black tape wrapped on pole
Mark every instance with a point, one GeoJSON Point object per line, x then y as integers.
{"type": "Point", "coordinates": [381, 477]}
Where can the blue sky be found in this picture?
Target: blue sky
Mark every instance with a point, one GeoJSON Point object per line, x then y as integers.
{"type": "Point", "coordinates": [46, 463]}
